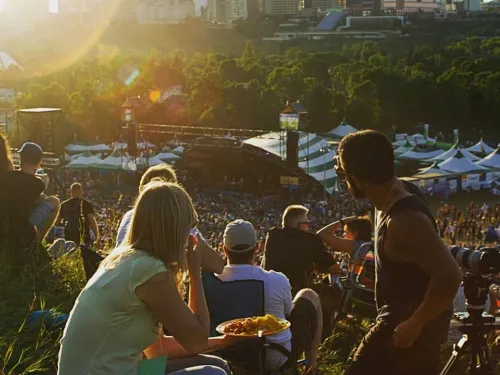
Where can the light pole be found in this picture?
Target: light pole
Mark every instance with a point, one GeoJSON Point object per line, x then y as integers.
{"type": "Point", "coordinates": [324, 151]}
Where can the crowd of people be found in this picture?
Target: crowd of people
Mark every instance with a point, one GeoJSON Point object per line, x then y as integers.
{"type": "Point", "coordinates": [173, 228]}
{"type": "Point", "coordinates": [475, 226]}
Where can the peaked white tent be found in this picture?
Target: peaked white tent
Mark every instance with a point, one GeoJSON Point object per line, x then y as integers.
{"type": "Point", "coordinates": [480, 148]}
{"type": "Point", "coordinates": [168, 157]}
{"type": "Point", "coordinates": [452, 152]}
{"type": "Point", "coordinates": [179, 150]}
{"type": "Point", "coordinates": [113, 162]}
{"type": "Point", "coordinates": [458, 163]}
{"type": "Point", "coordinates": [155, 161]}
{"type": "Point", "coordinates": [492, 160]}
{"type": "Point", "coordinates": [120, 145]}
{"type": "Point", "coordinates": [407, 146]}
{"type": "Point", "coordinates": [86, 161]}
{"type": "Point", "coordinates": [145, 145]}
{"type": "Point", "coordinates": [6, 61]}
{"type": "Point", "coordinates": [432, 169]}
{"type": "Point", "coordinates": [315, 158]}
{"type": "Point", "coordinates": [340, 131]}
{"type": "Point", "coordinates": [418, 155]}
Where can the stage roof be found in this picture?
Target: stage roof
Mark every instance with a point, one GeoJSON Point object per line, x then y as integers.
{"type": "Point", "coordinates": [39, 110]}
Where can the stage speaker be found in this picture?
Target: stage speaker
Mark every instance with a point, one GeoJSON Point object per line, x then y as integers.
{"type": "Point", "coordinates": [132, 140]}
{"type": "Point", "coordinates": [292, 146]}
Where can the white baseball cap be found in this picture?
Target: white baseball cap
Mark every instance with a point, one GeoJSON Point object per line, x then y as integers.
{"type": "Point", "coordinates": [240, 234]}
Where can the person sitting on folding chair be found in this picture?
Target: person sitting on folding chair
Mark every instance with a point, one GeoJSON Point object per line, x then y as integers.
{"type": "Point", "coordinates": [304, 312]}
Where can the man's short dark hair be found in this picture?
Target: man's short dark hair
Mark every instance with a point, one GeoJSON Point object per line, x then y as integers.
{"type": "Point", "coordinates": [236, 256]}
{"type": "Point", "coordinates": [160, 171]}
{"type": "Point", "coordinates": [292, 213]}
{"type": "Point", "coordinates": [76, 186]}
{"type": "Point", "coordinates": [367, 155]}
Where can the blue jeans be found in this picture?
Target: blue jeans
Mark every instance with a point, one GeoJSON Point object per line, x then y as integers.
{"type": "Point", "coordinates": [201, 364]}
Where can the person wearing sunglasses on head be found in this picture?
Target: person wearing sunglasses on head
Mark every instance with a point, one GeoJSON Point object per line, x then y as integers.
{"type": "Point", "coordinates": [295, 251]}
{"type": "Point", "coordinates": [416, 276]}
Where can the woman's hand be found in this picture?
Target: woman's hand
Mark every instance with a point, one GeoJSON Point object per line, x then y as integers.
{"type": "Point", "coordinates": [194, 254]}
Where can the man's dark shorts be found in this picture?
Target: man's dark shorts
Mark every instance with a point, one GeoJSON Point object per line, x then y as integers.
{"type": "Point", "coordinates": [377, 355]}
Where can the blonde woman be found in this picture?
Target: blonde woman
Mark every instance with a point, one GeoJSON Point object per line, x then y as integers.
{"type": "Point", "coordinates": [118, 315]}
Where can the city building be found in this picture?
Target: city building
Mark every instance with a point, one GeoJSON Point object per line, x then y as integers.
{"type": "Point", "coordinates": [164, 11]}
{"type": "Point", "coordinates": [323, 5]}
{"type": "Point", "coordinates": [226, 10]}
{"type": "Point", "coordinates": [364, 7]}
{"type": "Point", "coordinates": [412, 6]}
{"type": "Point", "coordinates": [283, 7]}
{"type": "Point", "coordinates": [472, 5]}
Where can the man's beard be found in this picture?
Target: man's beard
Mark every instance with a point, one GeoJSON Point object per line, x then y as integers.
{"type": "Point", "coordinates": [355, 191]}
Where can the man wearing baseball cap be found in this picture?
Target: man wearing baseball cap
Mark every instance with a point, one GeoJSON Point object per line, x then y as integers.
{"type": "Point", "coordinates": [28, 214]}
{"type": "Point", "coordinates": [304, 312]}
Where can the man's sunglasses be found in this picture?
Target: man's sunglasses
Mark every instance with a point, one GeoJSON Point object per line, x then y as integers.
{"type": "Point", "coordinates": [343, 175]}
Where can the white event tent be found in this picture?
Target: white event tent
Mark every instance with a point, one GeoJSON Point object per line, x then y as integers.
{"type": "Point", "coordinates": [491, 161]}
{"type": "Point", "coordinates": [459, 164]}
{"type": "Point", "coordinates": [453, 151]}
{"type": "Point", "coordinates": [407, 146]}
{"type": "Point", "coordinates": [340, 131]}
{"type": "Point", "coordinates": [480, 148]}
{"type": "Point", "coordinates": [113, 162]}
{"type": "Point", "coordinates": [418, 155]}
{"type": "Point", "coordinates": [85, 161]}
{"type": "Point", "coordinates": [315, 158]}
{"type": "Point", "coordinates": [179, 150]}
{"type": "Point", "coordinates": [432, 169]}
{"type": "Point", "coordinates": [168, 157]}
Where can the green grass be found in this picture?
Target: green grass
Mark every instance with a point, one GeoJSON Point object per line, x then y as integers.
{"type": "Point", "coordinates": [32, 283]}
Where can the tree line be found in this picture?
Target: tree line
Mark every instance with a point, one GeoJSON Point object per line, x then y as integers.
{"type": "Point", "coordinates": [454, 86]}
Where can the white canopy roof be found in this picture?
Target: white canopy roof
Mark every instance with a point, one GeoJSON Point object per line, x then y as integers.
{"type": "Point", "coordinates": [407, 146]}
{"type": "Point", "coordinates": [432, 169]}
{"type": "Point", "coordinates": [460, 164]}
{"type": "Point", "coordinates": [168, 156]}
{"type": "Point", "coordinates": [481, 148]}
{"type": "Point", "coordinates": [178, 150]}
{"type": "Point", "coordinates": [453, 151]}
{"type": "Point", "coordinates": [341, 131]}
{"type": "Point", "coordinates": [86, 161]}
{"type": "Point", "coordinates": [492, 160]}
{"type": "Point", "coordinates": [113, 162]}
{"type": "Point", "coordinates": [6, 61]}
{"type": "Point", "coordinates": [314, 156]}
{"type": "Point", "coordinates": [120, 145]}
{"type": "Point", "coordinates": [417, 155]}
{"type": "Point", "coordinates": [144, 145]}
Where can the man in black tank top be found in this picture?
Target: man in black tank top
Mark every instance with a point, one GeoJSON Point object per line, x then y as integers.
{"type": "Point", "coordinates": [416, 276]}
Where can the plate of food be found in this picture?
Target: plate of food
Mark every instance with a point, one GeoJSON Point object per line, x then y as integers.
{"type": "Point", "coordinates": [251, 327]}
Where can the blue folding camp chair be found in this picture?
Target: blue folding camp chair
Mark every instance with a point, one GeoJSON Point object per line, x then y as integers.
{"type": "Point", "coordinates": [240, 299]}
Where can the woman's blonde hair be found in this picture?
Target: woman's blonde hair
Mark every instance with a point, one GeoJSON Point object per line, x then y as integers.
{"type": "Point", "coordinates": [160, 226]}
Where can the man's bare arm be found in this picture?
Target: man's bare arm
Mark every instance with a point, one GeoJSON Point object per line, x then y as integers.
{"type": "Point", "coordinates": [413, 236]}
{"type": "Point", "coordinates": [211, 260]}
{"type": "Point", "coordinates": [93, 225]}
